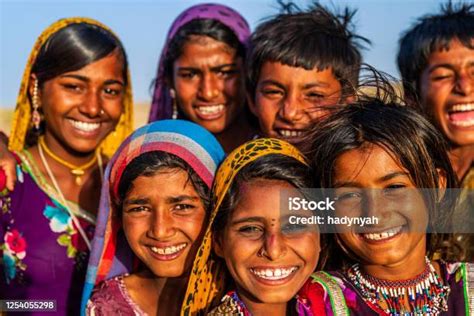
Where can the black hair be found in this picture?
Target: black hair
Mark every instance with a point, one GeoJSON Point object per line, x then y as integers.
{"type": "Point", "coordinates": [150, 163]}
{"type": "Point", "coordinates": [309, 39]}
{"type": "Point", "coordinates": [200, 27]}
{"type": "Point", "coordinates": [431, 33]}
{"type": "Point", "coordinates": [74, 47]}
{"type": "Point", "coordinates": [402, 131]}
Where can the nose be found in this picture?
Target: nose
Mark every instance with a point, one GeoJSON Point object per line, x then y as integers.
{"type": "Point", "coordinates": [289, 108]}
{"type": "Point", "coordinates": [210, 87]}
{"type": "Point", "coordinates": [274, 246]}
{"type": "Point", "coordinates": [374, 203]}
{"type": "Point", "coordinates": [91, 106]}
{"type": "Point", "coordinates": [162, 226]}
{"type": "Point", "coordinates": [465, 84]}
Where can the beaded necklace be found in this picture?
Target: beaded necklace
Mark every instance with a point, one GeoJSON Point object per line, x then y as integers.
{"type": "Point", "coordinates": [423, 295]}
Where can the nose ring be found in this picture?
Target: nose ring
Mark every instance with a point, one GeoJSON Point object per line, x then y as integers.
{"type": "Point", "coordinates": [102, 112]}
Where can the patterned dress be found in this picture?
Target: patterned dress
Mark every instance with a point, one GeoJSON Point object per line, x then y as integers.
{"type": "Point", "coordinates": [43, 255]}
{"type": "Point", "coordinates": [341, 297]}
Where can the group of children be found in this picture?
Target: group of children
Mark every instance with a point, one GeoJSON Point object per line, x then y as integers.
{"type": "Point", "coordinates": [183, 229]}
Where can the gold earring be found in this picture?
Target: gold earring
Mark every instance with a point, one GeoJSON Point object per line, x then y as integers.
{"type": "Point", "coordinates": [174, 116]}
{"type": "Point", "coordinates": [35, 116]}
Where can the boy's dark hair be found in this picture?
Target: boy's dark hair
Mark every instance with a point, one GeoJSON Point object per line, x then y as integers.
{"type": "Point", "coordinates": [309, 39]}
{"type": "Point", "coordinates": [433, 32]}
{"type": "Point", "coordinates": [151, 163]}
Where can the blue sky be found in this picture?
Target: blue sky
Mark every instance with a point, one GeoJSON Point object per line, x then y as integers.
{"type": "Point", "coordinates": [142, 26]}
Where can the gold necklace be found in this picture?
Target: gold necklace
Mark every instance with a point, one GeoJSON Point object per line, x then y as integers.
{"type": "Point", "coordinates": [78, 171]}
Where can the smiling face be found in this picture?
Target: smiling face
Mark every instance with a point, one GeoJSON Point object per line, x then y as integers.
{"type": "Point", "coordinates": [369, 182]}
{"type": "Point", "coordinates": [207, 79]}
{"type": "Point", "coordinates": [82, 107]}
{"type": "Point", "coordinates": [268, 259]}
{"type": "Point", "coordinates": [447, 90]}
{"type": "Point", "coordinates": [287, 98]}
{"type": "Point", "coordinates": [162, 226]}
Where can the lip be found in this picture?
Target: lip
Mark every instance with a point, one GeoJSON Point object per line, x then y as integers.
{"type": "Point", "coordinates": [400, 230]}
{"type": "Point", "coordinates": [209, 112]}
{"type": "Point", "coordinates": [273, 282]}
{"type": "Point", "coordinates": [164, 256]}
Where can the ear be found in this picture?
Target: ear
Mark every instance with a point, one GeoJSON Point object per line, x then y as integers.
{"type": "Point", "coordinates": [251, 103]}
{"type": "Point", "coordinates": [217, 245]}
{"type": "Point", "coordinates": [349, 99]}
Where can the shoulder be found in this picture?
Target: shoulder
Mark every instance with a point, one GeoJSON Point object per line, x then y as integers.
{"type": "Point", "coordinates": [109, 298]}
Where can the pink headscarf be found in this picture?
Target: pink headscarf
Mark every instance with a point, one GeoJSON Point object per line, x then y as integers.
{"type": "Point", "coordinates": [161, 107]}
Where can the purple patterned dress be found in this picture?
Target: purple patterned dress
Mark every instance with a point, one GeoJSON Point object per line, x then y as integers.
{"type": "Point", "coordinates": [43, 255]}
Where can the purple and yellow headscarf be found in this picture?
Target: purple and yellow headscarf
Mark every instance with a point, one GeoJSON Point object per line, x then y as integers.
{"type": "Point", "coordinates": [22, 116]}
{"type": "Point", "coordinates": [162, 107]}
{"type": "Point", "coordinates": [111, 254]}
{"type": "Point", "coordinates": [205, 285]}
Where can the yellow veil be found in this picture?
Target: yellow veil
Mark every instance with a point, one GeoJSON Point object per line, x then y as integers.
{"type": "Point", "coordinates": [22, 115]}
{"type": "Point", "coordinates": [206, 283]}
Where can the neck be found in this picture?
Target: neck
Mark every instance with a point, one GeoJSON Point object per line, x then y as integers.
{"type": "Point", "coordinates": [67, 154]}
{"type": "Point", "coordinates": [258, 308]}
{"type": "Point", "coordinates": [237, 133]}
{"type": "Point", "coordinates": [166, 293]}
{"type": "Point", "coordinates": [462, 157]}
{"type": "Point", "coordinates": [409, 267]}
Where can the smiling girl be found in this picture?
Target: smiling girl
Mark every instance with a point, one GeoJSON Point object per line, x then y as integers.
{"type": "Point", "coordinates": [61, 137]}
{"type": "Point", "coordinates": [268, 258]}
{"type": "Point", "coordinates": [153, 208]}
{"type": "Point", "coordinates": [200, 73]}
{"type": "Point", "coordinates": [388, 161]}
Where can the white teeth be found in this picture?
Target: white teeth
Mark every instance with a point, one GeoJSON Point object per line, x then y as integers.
{"type": "Point", "coordinates": [83, 126]}
{"type": "Point", "coordinates": [212, 109]}
{"type": "Point", "coordinates": [383, 235]}
{"type": "Point", "coordinates": [168, 250]}
{"type": "Point", "coordinates": [462, 107]}
{"type": "Point", "coordinates": [289, 133]}
{"type": "Point", "coordinates": [273, 274]}
{"type": "Point", "coordinates": [463, 123]}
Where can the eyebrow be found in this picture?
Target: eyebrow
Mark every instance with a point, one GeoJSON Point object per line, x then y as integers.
{"type": "Point", "coordinates": [215, 68]}
{"type": "Point", "coordinates": [181, 198]}
{"type": "Point", "coordinates": [136, 201]}
{"type": "Point", "coordinates": [382, 179]}
{"type": "Point", "coordinates": [315, 84]}
{"type": "Point", "coordinates": [86, 79]}
{"type": "Point", "coordinates": [249, 219]}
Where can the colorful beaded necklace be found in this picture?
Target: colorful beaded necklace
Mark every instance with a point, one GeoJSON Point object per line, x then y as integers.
{"type": "Point", "coordinates": [423, 295]}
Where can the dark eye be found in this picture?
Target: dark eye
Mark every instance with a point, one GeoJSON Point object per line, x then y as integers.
{"type": "Point", "coordinates": [188, 74]}
{"type": "Point", "coordinates": [348, 196]}
{"type": "Point", "coordinates": [294, 228]}
{"type": "Point", "coordinates": [251, 231]}
{"type": "Point", "coordinates": [272, 93]}
{"type": "Point", "coordinates": [138, 209]}
{"type": "Point", "coordinates": [72, 86]}
{"type": "Point", "coordinates": [111, 91]}
{"type": "Point", "coordinates": [315, 95]}
{"type": "Point", "coordinates": [183, 207]}
{"type": "Point", "coordinates": [227, 72]}
{"type": "Point", "coordinates": [394, 189]}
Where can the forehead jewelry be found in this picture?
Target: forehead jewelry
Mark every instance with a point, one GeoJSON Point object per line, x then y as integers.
{"type": "Point", "coordinates": [78, 171]}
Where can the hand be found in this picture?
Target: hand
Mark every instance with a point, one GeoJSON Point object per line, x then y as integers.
{"type": "Point", "coordinates": [8, 164]}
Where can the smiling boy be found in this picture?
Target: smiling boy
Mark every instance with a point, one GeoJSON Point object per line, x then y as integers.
{"type": "Point", "coordinates": [436, 61]}
{"type": "Point", "coordinates": [300, 63]}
